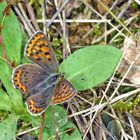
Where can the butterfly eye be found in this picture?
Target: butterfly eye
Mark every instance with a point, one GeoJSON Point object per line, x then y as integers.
{"type": "Point", "coordinates": [62, 74]}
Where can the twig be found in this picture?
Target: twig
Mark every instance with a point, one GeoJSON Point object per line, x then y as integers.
{"type": "Point", "coordinates": [82, 118]}
{"type": "Point", "coordinates": [66, 47]}
{"type": "Point", "coordinates": [31, 14]}
{"type": "Point", "coordinates": [127, 22]}
{"type": "Point", "coordinates": [76, 20]}
{"type": "Point", "coordinates": [83, 99]}
{"type": "Point", "coordinates": [26, 18]}
{"type": "Point", "coordinates": [59, 15]}
{"type": "Point", "coordinates": [68, 130]}
{"type": "Point", "coordinates": [78, 121]}
{"type": "Point", "coordinates": [132, 125]}
{"type": "Point", "coordinates": [56, 14]}
{"type": "Point", "coordinates": [118, 20]}
{"type": "Point", "coordinates": [125, 8]}
{"type": "Point", "coordinates": [114, 100]}
{"type": "Point", "coordinates": [44, 15]}
{"type": "Point", "coordinates": [99, 106]}
{"type": "Point", "coordinates": [23, 21]}
{"type": "Point", "coordinates": [103, 128]}
{"type": "Point", "coordinates": [27, 131]}
{"type": "Point", "coordinates": [114, 5]}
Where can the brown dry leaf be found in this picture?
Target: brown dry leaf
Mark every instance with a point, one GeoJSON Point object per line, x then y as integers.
{"type": "Point", "coordinates": [77, 31]}
{"type": "Point", "coordinates": [136, 111]}
{"type": "Point", "coordinates": [82, 29]}
{"type": "Point", "coordinates": [50, 11]}
{"type": "Point", "coordinates": [131, 53]}
{"type": "Point", "coordinates": [100, 7]}
{"type": "Point", "coordinates": [74, 39]}
{"type": "Point", "coordinates": [73, 4]}
{"type": "Point", "coordinates": [135, 123]}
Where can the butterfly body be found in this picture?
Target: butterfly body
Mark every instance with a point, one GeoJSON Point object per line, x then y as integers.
{"type": "Point", "coordinates": [40, 83]}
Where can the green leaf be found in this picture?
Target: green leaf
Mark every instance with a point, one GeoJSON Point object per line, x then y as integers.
{"type": "Point", "coordinates": [56, 120]}
{"type": "Point", "coordinates": [138, 137]}
{"type": "Point", "coordinates": [5, 102]}
{"type": "Point", "coordinates": [55, 115]}
{"type": "Point", "coordinates": [106, 118]}
{"type": "Point", "coordinates": [14, 94]}
{"type": "Point", "coordinates": [67, 132]}
{"type": "Point", "coordinates": [71, 132]}
{"type": "Point", "coordinates": [11, 35]}
{"type": "Point", "coordinates": [12, 38]}
{"type": "Point", "coordinates": [90, 66]}
{"type": "Point", "coordinates": [115, 128]}
{"type": "Point", "coordinates": [8, 128]}
{"type": "Point", "coordinates": [27, 137]}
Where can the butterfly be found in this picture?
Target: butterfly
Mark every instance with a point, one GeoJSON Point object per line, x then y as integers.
{"type": "Point", "coordinates": [40, 82]}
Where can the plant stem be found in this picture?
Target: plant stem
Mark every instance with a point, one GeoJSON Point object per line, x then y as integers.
{"type": "Point", "coordinates": [42, 125]}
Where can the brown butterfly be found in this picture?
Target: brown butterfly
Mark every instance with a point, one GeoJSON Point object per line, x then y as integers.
{"type": "Point", "coordinates": [40, 83]}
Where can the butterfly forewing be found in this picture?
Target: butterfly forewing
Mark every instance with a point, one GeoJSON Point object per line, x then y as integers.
{"type": "Point", "coordinates": [40, 51]}
{"type": "Point", "coordinates": [36, 86]}
{"type": "Point", "coordinates": [27, 76]}
{"type": "Point", "coordinates": [64, 91]}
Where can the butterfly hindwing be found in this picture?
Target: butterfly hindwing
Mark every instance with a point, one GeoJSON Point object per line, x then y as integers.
{"type": "Point", "coordinates": [64, 91]}
{"type": "Point", "coordinates": [40, 51]}
{"type": "Point", "coordinates": [37, 104]}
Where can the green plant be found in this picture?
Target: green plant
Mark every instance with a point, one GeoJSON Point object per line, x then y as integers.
{"type": "Point", "coordinates": [113, 126]}
{"type": "Point", "coordinates": [86, 68]}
